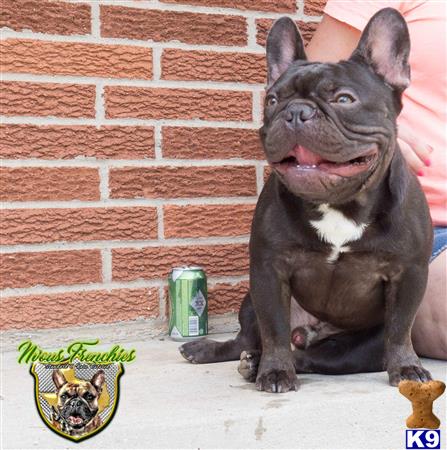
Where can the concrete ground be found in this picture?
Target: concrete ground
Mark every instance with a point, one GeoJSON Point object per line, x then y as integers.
{"type": "Point", "coordinates": [166, 402]}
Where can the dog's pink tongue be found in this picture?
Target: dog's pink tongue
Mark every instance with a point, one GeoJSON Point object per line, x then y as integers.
{"type": "Point", "coordinates": [75, 420]}
{"type": "Point", "coordinates": [305, 157]}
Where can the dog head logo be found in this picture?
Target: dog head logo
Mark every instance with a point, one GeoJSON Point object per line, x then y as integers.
{"type": "Point", "coordinates": [76, 400]}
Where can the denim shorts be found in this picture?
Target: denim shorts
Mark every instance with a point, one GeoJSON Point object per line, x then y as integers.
{"type": "Point", "coordinates": [439, 241]}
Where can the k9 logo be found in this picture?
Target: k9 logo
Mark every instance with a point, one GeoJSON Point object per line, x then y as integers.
{"type": "Point", "coordinates": [423, 439]}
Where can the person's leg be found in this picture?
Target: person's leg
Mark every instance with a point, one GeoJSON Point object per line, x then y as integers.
{"type": "Point", "coordinates": [429, 332]}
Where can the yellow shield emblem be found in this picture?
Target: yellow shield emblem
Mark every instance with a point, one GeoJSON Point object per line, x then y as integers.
{"type": "Point", "coordinates": [76, 400]}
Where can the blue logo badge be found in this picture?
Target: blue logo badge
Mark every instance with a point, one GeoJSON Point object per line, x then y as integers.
{"type": "Point", "coordinates": [423, 439]}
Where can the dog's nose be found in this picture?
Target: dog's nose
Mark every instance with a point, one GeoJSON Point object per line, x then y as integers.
{"type": "Point", "coordinates": [297, 113]}
{"type": "Point", "coordinates": [76, 402]}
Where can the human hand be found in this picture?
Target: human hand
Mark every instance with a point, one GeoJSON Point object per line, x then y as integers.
{"type": "Point", "coordinates": [415, 151]}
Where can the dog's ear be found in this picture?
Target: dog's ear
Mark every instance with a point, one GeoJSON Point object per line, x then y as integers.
{"type": "Point", "coordinates": [385, 46]}
{"type": "Point", "coordinates": [284, 45]}
{"type": "Point", "coordinates": [98, 380]}
{"type": "Point", "coordinates": [58, 379]}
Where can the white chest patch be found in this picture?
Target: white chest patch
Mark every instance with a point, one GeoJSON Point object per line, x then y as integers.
{"type": "Point", "coordinates": [336, 229]}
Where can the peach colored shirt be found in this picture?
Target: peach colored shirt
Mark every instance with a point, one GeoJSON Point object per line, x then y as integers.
{"type": "Point", "coordinates": [424, 101]}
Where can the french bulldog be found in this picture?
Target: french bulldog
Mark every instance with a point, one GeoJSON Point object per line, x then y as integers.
{"type": "Point", "coordinates": [76, 412]}
{"type": "Point", "coordinates": [341, 235]}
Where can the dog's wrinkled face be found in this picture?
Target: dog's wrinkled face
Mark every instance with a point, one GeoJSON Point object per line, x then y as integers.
{"type": "Point", "coordinates": [330, 129]}
{"type": "Point", "coordinates": [77, 403]}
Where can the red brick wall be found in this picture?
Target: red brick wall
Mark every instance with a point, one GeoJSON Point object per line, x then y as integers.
{"type": "Point", "coordinates": [129, 145]}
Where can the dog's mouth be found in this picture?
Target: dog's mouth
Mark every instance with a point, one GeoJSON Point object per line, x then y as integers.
{"type": "Point", "coordinates": [305, 160]}
{"type": "Point", "coordinates": [76, 420]}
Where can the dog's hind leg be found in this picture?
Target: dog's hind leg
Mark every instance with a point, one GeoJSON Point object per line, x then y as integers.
{"type": "Point", "coordinates": [209, 351]}
{"type": "Point", "coordinates": [343, 353]}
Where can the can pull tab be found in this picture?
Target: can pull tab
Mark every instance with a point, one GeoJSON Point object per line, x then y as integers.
{"type": "Point", "coordinates": [176, 273]}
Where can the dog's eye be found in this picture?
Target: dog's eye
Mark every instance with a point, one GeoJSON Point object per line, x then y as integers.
{"type": "Point", "coordinates": [63, 396]}
{"type": "Point", "coordinates": [271, 101]}
{"type": "Point", "coordinates": [344, 98]}
{"type": "Point", "coordinates": [88, 396]}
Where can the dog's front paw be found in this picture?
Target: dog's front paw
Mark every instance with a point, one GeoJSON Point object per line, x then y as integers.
{"type": "Point", "coordinates": [248, 365]}
{"type": "Point", "coordinates": [410, 372]}
{"type": "Point", "coordinates": [276, 374]}
{"type": "Point", "coordinates": [277, 381]}
{"type": "Point", "coordinates": [198, 352]}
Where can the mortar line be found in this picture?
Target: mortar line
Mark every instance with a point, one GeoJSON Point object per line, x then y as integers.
{"type": "Point", "coordinates": [89, 39]}
{"type": "Point", "coordinates": [156, 63]}
{"type": "Point", "coordinates": [305, 18]}
{"type": "Point", "coordinates": [35, 120]}
{"type": "Point", "coordinates": [259, 177]}
{"type": "Point", "coordinates": [257, 108]}
{"type": "Point", "coordinates": [158, 143]}
{"type": "Point", "coordinates": [106, 263]}
{"type": "Point", "coordinates": [133, 284]}
{"type": "Point", "coordinates": [220, 10]}
{"type": "Point", "coordinates": [299, 9]}
{"type": "Point", "coordinates": [96, 21]}
{"type": "Point", "coordinates": [161, 303]}
{"type": "Point", "coordinates": [131, 203]}
{"type": "Point", "coordinates": [251, 35]}
{"type": "Point", "coordinates": [104, 182]}
{"type": "Point", "coordinates": [160, 223]}
{"type": "Point", "coordinates": [99, 102]}
{"type": "Point", "coordinates": [116, 244]}
{"type": "Point", "coordinates": [137, 163]}
{"type": "Point", "coordinates": [227, 86]}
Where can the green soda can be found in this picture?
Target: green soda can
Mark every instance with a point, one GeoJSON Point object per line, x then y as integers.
{"type": "Point", "coordinates": [188, 307]}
